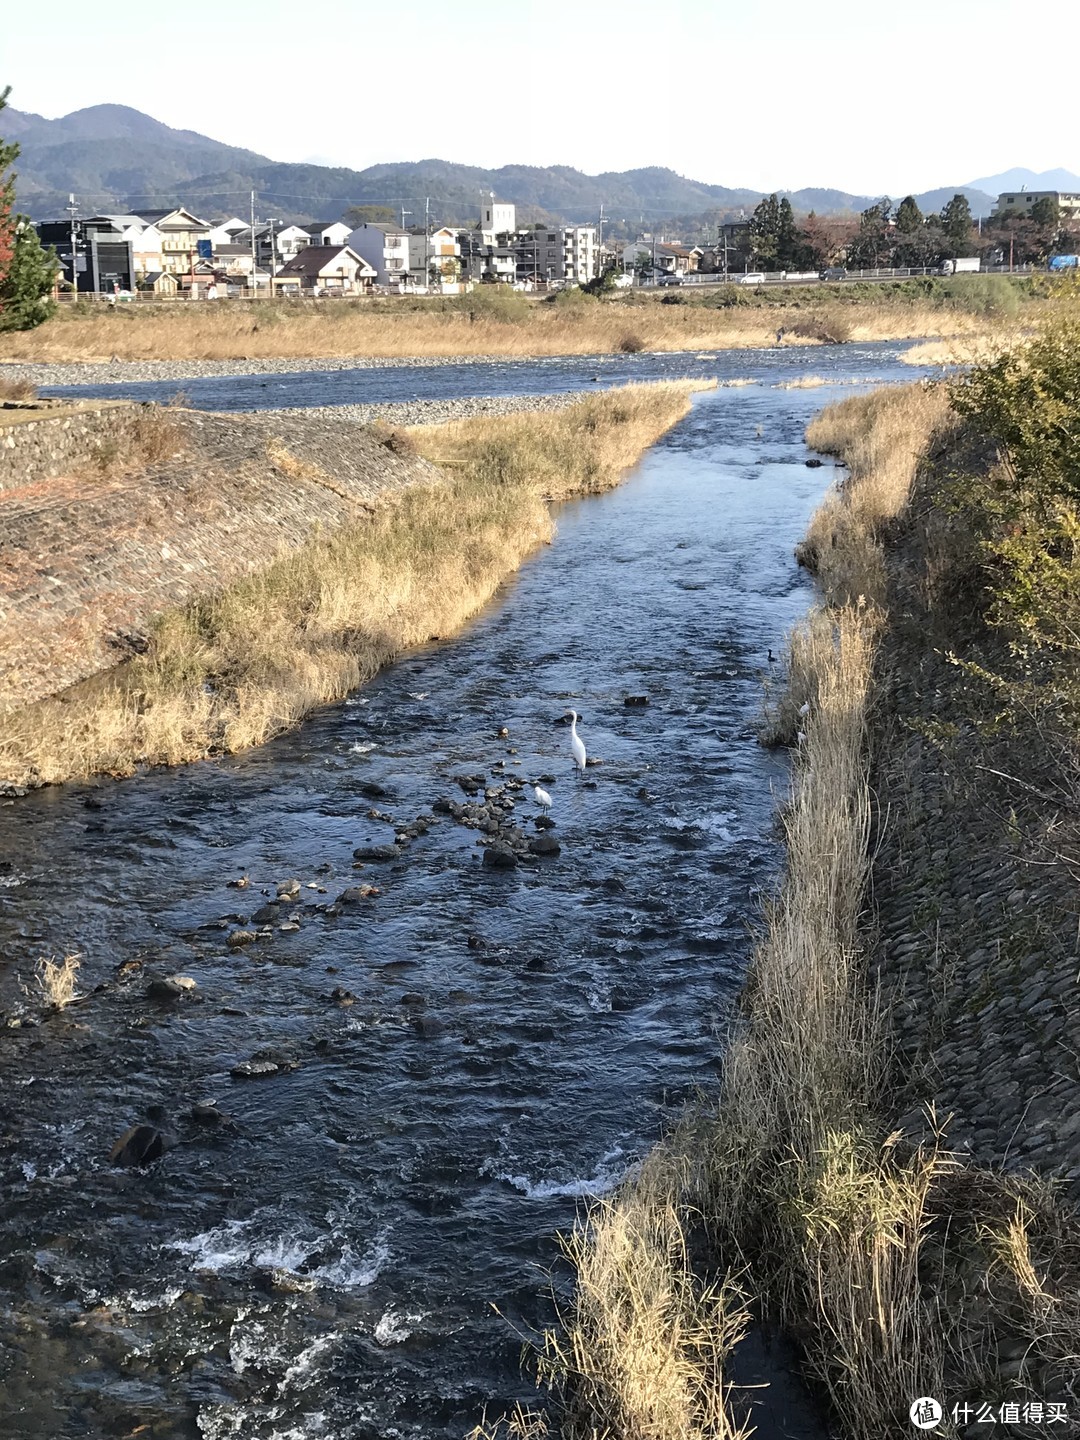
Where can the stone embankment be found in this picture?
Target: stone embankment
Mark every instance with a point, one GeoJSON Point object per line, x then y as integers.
{"type": "Point", "coordinates": [975, 888]}
{"type": "Point", "coordinates": [46, 438]}
{"type": "Point", "coordinates": [91, 556]}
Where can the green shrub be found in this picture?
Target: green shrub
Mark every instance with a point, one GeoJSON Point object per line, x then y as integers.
{"type": "Point", "coordinates": [493, 302]}
{"type": "Point", "coordinates": [994, 295]}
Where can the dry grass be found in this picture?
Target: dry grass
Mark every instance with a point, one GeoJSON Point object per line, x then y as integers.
{"type": "Point", "coordinates": [881, 438]}
{"type": "Point", "coordinates": [17, 390]}
{"type": "Point", "coordinates": [642, 1353]}
{"type": "Point", "coordinates": [962, 350]}
{"type": "Point", "coordinates": [56, 980]}
{"type": "Point", "coordinates": [394, 329]}
{"type": "Point", "coordinates": [234, 669]}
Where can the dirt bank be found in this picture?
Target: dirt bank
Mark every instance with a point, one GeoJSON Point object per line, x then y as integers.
{"type": "Point", "coordinates": [159, 610]}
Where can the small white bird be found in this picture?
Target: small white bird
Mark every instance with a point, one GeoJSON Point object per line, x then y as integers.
{"type": "Point", "coordinates": [542, 797]}
{"type": "Point", "coordinates": [804, 708]}
{"type": "Point", "coordinates": [577, 745]}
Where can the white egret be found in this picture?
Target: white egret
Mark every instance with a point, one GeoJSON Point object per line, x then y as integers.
{"type": "Point", "coordinates": [542, 797]}
{"type": "Point", "coordinates": [577, 745]}
{"type": "Point", "coordinates": [804, 708]}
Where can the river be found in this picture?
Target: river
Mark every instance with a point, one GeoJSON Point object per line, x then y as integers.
{"type": "Point", "coordinates": [325, 1262]}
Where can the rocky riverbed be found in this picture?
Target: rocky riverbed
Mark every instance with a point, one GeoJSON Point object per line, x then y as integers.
{"type": "Point", "coordinates": [134, 372]}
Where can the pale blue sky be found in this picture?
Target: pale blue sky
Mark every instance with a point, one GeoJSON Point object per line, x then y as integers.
{"type": "Point", "coordinates": [873, 98]}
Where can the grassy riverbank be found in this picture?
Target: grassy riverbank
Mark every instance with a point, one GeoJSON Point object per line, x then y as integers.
{"type": "Point", "coordinates": [235, 668]}
{"type": "Point", "coordinates": [901, 1268]}
{"type": "Point", "coordinates": [499, 323]}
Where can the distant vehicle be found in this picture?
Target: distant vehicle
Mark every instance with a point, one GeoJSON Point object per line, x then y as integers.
{"type": "Point", "coordinates": [119, 296]}
{"type": "Point", "coordinates": [969, 266]}
{"type": "Point", "coordinates": [673, 279]}
{"type": "Point", "coordinates": [623, 282]}
{"type": "Point", "coordinates": [833, 272]}
{"type": "Point", "coordinates": [1064, 262]}
{"type": "Point", "coordinates": [752, 277]}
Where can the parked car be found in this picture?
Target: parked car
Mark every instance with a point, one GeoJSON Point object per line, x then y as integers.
{"type": "Point", "coordinates": [671, 280]}
{"type": "Point", "coordinates": [833, 272]}
{"type": "Point", "coordinates": [752, 277]}
{"type": "Point", "coordinates": [623, 282]}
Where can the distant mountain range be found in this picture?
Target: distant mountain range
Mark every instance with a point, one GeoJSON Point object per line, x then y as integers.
{"type": "Point", "coordinates": [115, 158]}
{"type": "Point", "coordinates": [1020, 179]}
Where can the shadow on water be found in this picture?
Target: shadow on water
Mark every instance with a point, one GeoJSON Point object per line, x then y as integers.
{"type": "Point", "coordinates": [324, 1260]}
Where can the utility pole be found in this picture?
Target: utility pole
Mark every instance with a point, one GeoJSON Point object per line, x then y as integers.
{"type": "Point", "coordinates": [272, 221]}
{"type": "Point", "coordinates": [599, 239]}
{"type": "Point", "coordinates": [73, 212]}
{"type": "Point", "coordinates": [254, 291]}
{"type": "Point", "coordinates": [427, 239]}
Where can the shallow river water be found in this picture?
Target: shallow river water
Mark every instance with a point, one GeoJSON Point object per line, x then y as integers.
{"type": "Point", "coordinates": [326, 1262]}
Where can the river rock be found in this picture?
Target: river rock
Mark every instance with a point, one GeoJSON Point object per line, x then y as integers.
{"type": "Point", "coordinates": [545, 844]}
{"type": "Point", "coordinates": [814, 464]}
{"type": "Point", "coordinates": [470, 783]}
{"type": "Point", "coordinates": [254, 1069]}
{"type": "Point", "coordinates": [288, 888]}
{"type": "Point", "coordinates": [544, 822]}
{"type": "Point", "coordinates": [372, 790]}
{"type": "Point", "coordinates": [373, 854]}
{"type": "Point", "coordinates": [184, 981]}
{"type": "Point", "coordinates": [355, 894]}
{"type": "Point", "coordinates": [341, 996]}
{"type": "Point", "coordinates": [237, 938]}
{"type": "Point", "coordinates": [428, 1026]}
{"type": "Point", "coordinates": [266, 915]}
{"type": "Point", "coordinates": [164, 990]}
{"type": "Point", "coordinates": [206, 1113]}
{"type": "Point", "coordinates": [633, 700]}
{"type": "Point", "coordinates": [141, 1145]}
{"type": "Point", "coordinates": [499, 856]}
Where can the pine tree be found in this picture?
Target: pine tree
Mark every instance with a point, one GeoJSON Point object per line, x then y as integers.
{"type": "Point", "coordinates": [27, 272]}
{"type": "Point", "coordinates": [956, 222]}
{"type": "Point", "coordinates": [787, 236]}
{"type": "Point", "coordinates": [908, 216]}
{"type": "Point", "coordinates": [765, 231]}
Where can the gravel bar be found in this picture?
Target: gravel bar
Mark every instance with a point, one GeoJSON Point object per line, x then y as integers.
{"type": "Point", "coordinates": [434, 412]}
{"type": "Point", "coordinates": [134, 372]}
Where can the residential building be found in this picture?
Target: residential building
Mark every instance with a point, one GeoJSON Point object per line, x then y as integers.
{"type": "Point", "coordinates": [326, 270]}
{"type": "Point", "coordinates": [146, 239]}
{"type": "Point", "coordinates": [288, 241]}
{"type": "Point", "coordinates": [161, 284]}
{"type": "Point", "coordinates": [1068, 203]}
{"type": "Point", "coordinates": [328, 232]}
{"type": "Point", "coordinates": [180, 232]}
{"type": "Point", "coordinates": [497, 219]}
{"type": "Point", "coordinates": [566, 252]}
{"type": "Point", "coordinates": [435, 259]}
{"type": "Point", "coordinates": [386, 250]}
{"type": "Point", "coordinates": [105, 260]}
{"type": "Point", "coordinates": [224, 232]}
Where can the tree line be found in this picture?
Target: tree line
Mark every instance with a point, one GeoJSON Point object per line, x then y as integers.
{"type": "Point", "coordinates": [899, 236]}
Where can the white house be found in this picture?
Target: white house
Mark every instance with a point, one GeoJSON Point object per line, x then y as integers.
{"type": "Point", "coordinates": [328, 232]}
{"type": "Point", "coordinates": [326, 270]}
{"type": "Point", "coordinates": [180, 232]}
{"type": "Point", "coordinates": [290, 240]}
{"type": "Point", "coordinates": [386, 250]}
{"type": "Point", "coordinates": [224, 232]}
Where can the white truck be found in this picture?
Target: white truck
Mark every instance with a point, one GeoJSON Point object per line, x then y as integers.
{"type": "Point", "coordinates": [969, 266]}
